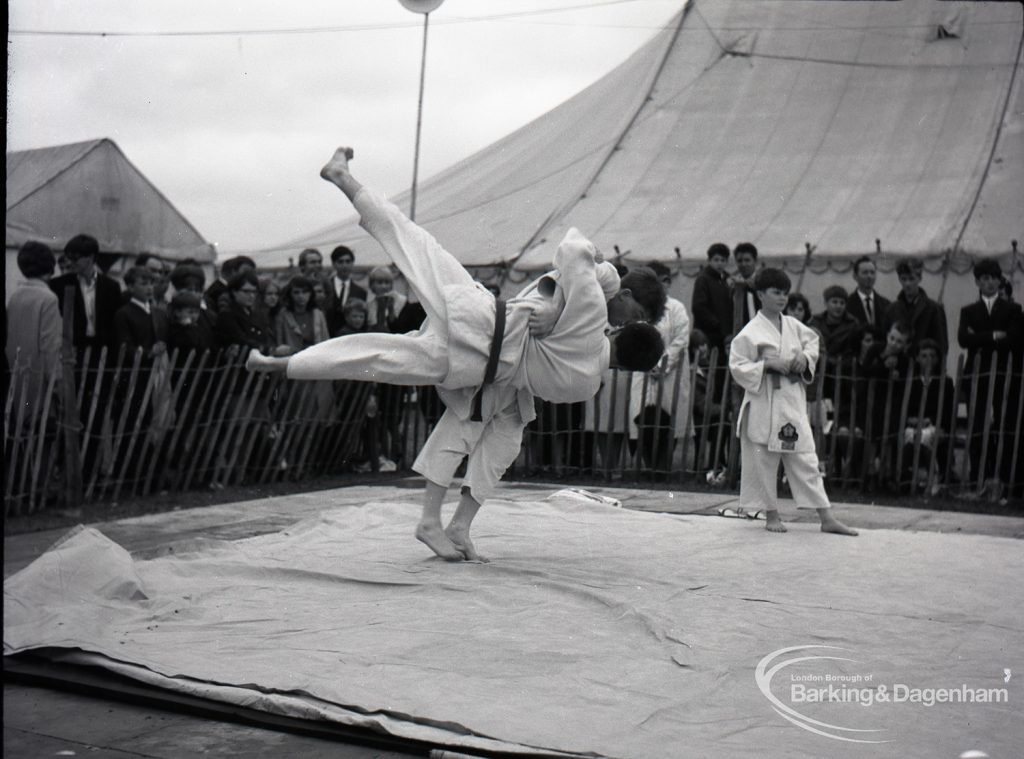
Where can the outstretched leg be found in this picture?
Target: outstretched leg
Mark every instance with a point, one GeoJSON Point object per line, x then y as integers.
{"type": "Point", "coordinates": [429, 531]}
{"type": "Point", "coordinates": [461, 523]}
{"type": "Point", "coordinates": [427, 267]}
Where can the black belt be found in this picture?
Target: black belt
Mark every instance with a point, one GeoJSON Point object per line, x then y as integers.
{"type": "Point", "coordinates": [492, 359]}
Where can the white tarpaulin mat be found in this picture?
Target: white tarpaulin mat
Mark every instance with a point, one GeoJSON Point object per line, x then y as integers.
{"type": "Point", "coordinates": [593, 631]}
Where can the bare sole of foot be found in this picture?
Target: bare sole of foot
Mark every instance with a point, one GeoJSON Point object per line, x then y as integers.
{"type": "Point", "coordinates": [775, 525]}
{"type": "Point", "coordinates": [436, 540]}
{"type": "Point", "coordinates": [461, 541]}
{"type": "Point", "coordinates": [338, 164]}
{"type": "Point", "coordinates": [838, 528]}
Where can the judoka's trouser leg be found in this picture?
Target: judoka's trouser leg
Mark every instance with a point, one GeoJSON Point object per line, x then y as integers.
{"type": "Point", "coordinates": [427, 267]}
{"type": "Point", "coordinates": [759, 473]}
{"type": "Point", "coordinates": [412, 359]}
{"type": "Point", "coordinates": [492, 447]}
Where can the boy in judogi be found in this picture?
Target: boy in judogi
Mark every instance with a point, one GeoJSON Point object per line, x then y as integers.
{"type": "Point", "coordinates": [772, 358]}
{"type": "Point", "coordinates": [487, 359]}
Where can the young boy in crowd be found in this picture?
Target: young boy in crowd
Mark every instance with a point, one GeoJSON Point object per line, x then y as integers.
{"type": "Point", "coordinates": [772, 358]}
{"type": "Point", "coordinates": [836, 326]}
{"type": "Point", "coordinates": [931, 408]}
{"type": "Point", "coordinates": [712, 299]}
{"type": "Point", "coordinates": [913, 306]}
{"type": "Point", "coordinates": [484, 356]}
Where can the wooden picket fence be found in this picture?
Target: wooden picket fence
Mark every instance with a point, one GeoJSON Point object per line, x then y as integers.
{"type": "Point", "coordinates": [115, 427]}
{"type": "Point", "coordinates": [132, 427]}
{"type": "Point", "coordinates": [868, 436]}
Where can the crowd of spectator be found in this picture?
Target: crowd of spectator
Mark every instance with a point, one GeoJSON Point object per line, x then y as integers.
{"type": "Point", "coordinates": [869, 342]}
{"type": "Point", "coordinates": [169, 309]}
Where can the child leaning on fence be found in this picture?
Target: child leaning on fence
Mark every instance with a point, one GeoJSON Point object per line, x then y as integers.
{"type": "Point", "coordinates": [772, 358]}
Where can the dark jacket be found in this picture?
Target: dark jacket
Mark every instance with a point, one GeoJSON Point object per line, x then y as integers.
{"type": "Point", "coordinates": [941, 418]}
{"type": "Point", "coordinates": [879, 309]}
{"type": "Point", "coordinates": [196, 337]}
{"type": "Point", "coordinates": [236, 326]}
{"type": "Point", "coordinates": [108, 301]}
{"type": "Point", "coordinates": [927, 319]}
{"type": "Point", "coordinates": [741, 307]}
{"type": "Point", "coordinates": [135, 329]}
{"type": "Point", "coordinates": [838, 339]}
{"type": "Point", "coordinates": [977, 326]}
{"type": "Point", "coordinates": [712, 306]}
{"type": "Point", "coordinates": [333, 307]}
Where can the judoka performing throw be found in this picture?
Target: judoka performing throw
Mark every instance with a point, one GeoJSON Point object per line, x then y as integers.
{"type": "Point", "coordinates": [487, 358]}
{"type": "Point", "coordinates": [772, 358]}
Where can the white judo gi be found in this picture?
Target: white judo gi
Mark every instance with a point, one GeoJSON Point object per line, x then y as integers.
{"type": "Point", "coordinates": [451, 349]}
{"type": "Point", "coordinates": [772, 422]}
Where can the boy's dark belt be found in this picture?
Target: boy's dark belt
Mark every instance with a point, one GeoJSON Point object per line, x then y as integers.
{"type": "Point", "coordinates": [492, 359]}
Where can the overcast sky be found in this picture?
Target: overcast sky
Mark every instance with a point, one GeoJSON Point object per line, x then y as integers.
{"type": "Point", "coordinates": [233, 127]}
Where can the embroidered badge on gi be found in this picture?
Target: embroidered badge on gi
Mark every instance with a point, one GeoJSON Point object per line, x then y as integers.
{"type": "Point", "coordinates": [788, 435]}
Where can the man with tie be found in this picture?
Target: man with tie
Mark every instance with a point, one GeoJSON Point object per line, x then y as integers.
{"type": "Point", "coordinates": [341, 289]}
{"type": "Point", "coordinates": [989, 328]}
{"type": "Point", "coordinates": [744, 297]}
{"type": "Point", "coordinates": [865, 304]}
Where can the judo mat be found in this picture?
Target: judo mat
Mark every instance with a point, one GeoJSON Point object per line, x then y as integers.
{"type": "Point", "coordinates": [593, 631]}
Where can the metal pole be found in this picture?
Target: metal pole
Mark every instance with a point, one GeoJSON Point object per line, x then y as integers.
{"type": "Point", "coordinates": [419, 121]}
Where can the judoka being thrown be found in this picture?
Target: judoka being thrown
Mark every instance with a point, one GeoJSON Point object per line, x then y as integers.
{"type": "Point", "coordinates": [487, 358]}
{"type": "Point", "coordinates": [772, 358]}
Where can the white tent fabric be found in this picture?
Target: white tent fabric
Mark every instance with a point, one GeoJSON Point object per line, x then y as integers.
{"type": "Point", "coordinates": [828, 123]}
{"type": "Point", "coordinates": [91, 188]}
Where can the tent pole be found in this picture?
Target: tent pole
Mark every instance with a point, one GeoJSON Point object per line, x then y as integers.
{"type": "Point", "coordinates": [419, 122]}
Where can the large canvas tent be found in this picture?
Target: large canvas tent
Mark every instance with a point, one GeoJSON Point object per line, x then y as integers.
{"type": "Point", "coordinates": [801, 125]}
{"type": "Point", "coordinates": [57, 192]}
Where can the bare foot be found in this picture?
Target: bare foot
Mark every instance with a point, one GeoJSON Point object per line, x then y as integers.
{"type": "Point", "coordinates": [830, 524]}
{"type": "Point", "coordinates": [436, 540]}
{"type": "Point", "coordinates": [773, 522]}
{"type": "Point", "coordinates": [460, 539]}
{"type": "Point", "coordinates": [337, 167]}
{"type": "Point", "coordinates": [257, 362]}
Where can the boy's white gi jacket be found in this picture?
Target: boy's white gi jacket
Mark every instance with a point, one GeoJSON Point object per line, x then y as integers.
{"type": "Point", "coordinates": [774, 409]}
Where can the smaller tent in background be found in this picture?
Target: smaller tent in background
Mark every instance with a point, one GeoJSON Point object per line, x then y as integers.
{"type": "Point", "coordinates": [91, 188]}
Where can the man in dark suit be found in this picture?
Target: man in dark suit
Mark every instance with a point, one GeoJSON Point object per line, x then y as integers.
{"type": "Point", "coordinates": [340, 289]}
{"type": "Point", "coordinates": [96, 299]}
{"type": "Point", "coordinates": [989, 330]}
{"type": "Point", "coordinates": [97, 296]}
{"type": "Point", "coordinates": [864, 304]}
{"type": "Point", "coordinates": [745, 303]}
